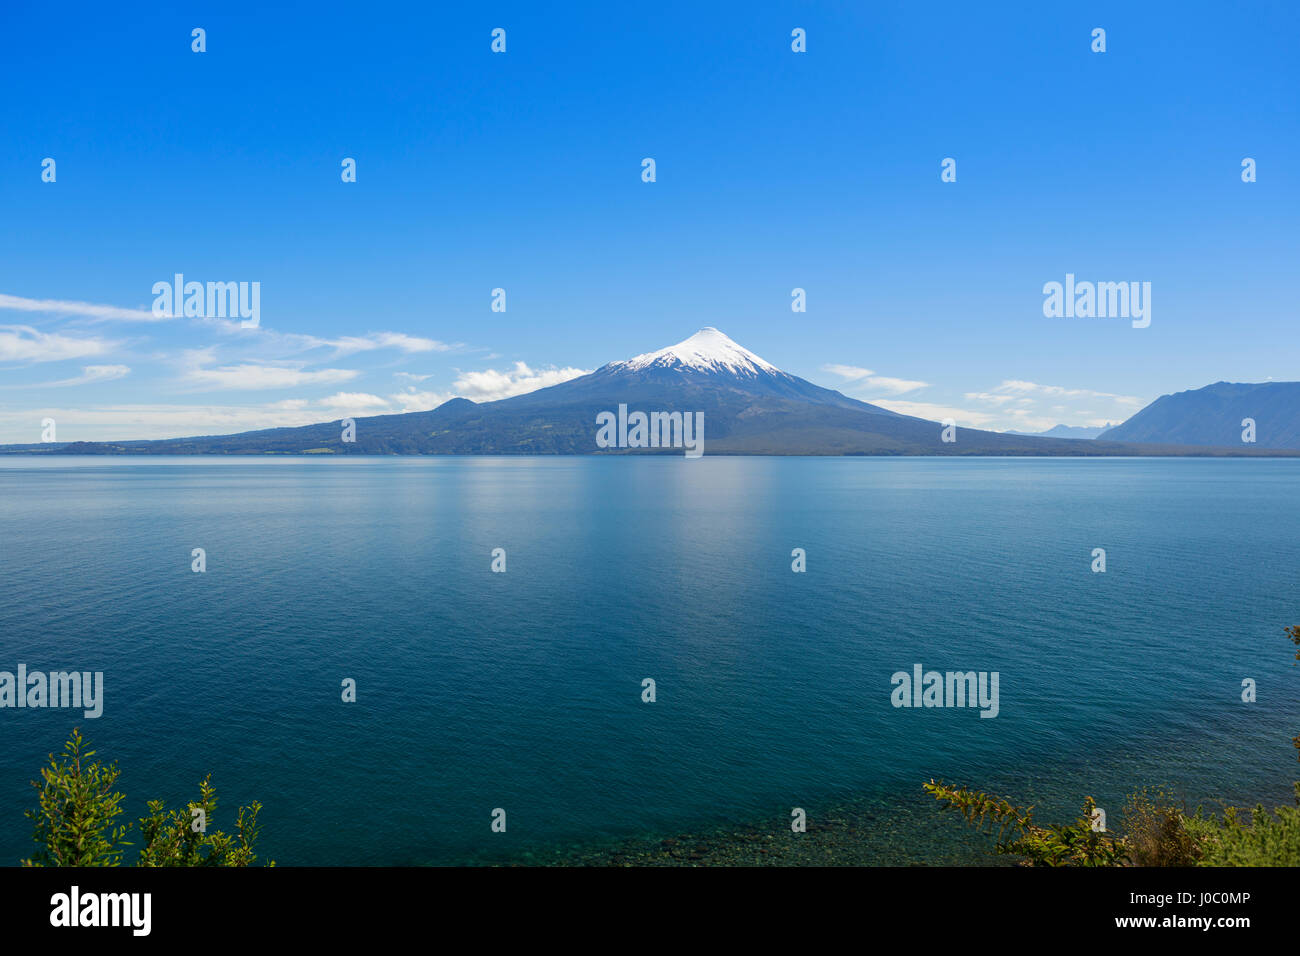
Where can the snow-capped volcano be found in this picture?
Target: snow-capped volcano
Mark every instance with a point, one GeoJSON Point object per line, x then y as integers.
{"type": "Point", "coordinates": [749, 407]}
{"type": "Point", "coordinates": [708, 350]}
{"type": "Point", "coordinates": [707, 367]}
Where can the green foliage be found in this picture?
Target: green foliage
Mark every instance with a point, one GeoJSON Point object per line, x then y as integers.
{"type": "Point", "coordinates": [1068, 844]}
{"type": "Point", "coordinates": [170, 838]}
{"type": "Point", "coordinates": [73, 825]}
{"type": "Point", "coordinates": [1262, 840]}
{"type": "Point", "coordinates": [1156, 831]}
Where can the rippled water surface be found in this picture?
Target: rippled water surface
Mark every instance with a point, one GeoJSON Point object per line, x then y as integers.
{"type": "Point", "coordinates": [523, 690]}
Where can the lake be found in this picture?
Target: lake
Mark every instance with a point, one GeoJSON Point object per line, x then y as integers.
{"type": "Point", "coordinates": [523, 690]}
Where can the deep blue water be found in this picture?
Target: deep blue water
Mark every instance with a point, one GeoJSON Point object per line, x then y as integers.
{"type": "Point", "coordinates": [523, 690]}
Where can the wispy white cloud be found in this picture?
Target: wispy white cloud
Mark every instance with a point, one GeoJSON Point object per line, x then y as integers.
{"type": "Point", "coordinates": [95, 373]}
{"type": "Point", "coordinates": [413, 400]}
{"type": "Point", "coordinates": [1031, 406]}
{"type": "Point", "coordinates": [292, 343]}
{"type": "Point", "coordinates": [344, 345]}
{"type": "Point", "coordinates": [865, 381]}
{"type": "Point", "coordinates": [891, 386]}
{"type": "Point", "coordinates": [22, 343]}
{"type": "Point", "coordinates": [88, 310]}
{"type": "Point", "coordinates": [349, 345]}
{"type": "Point", "coordinates": [1020, 387]}
{"type": "Point", "coordinates": [848, 371]}
{"type": "Point", "coordinates": [353, 400]}
{"type": "Point", "coordinates": [964, 417]}
{"type": "Point", "coordinates": [89, 374]}
{"type": "Point", "coordinates": [249, 376]}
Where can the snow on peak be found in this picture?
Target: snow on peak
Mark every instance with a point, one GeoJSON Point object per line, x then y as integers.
{"type": "Point", "coordinates": [707, 350]}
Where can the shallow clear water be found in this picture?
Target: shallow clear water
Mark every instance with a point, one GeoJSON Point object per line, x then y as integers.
{"type": "Point", "coordinates": [523, 690]}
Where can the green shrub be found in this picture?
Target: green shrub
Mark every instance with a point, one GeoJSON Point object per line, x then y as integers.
{"type": "Point", "coordinates": [1069, 844]}
{"type": "Point", "coordinates": [1263, 840]}
{"type": "Point", "coordinates": [1156, 832]}
{"type": "Point", "coordinates": [73, 824]}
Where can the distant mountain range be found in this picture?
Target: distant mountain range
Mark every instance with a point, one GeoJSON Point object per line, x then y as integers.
{"type": "Point", "coordinates": [1066, 431]}
{"type": "Point", "coordinates": [750, 407]}
{"type": "Point", "coordinates": [1214, 415]}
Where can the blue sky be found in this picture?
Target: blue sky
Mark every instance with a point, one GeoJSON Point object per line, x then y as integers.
{"type": "Point", "coordinates": [522, 170]}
